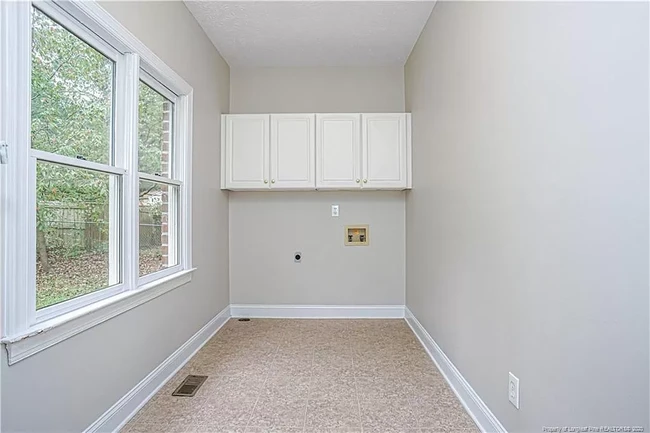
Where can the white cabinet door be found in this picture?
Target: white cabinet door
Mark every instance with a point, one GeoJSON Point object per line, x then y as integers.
{"type": "Point", "coordinates": [384, 151]}
{"type": "Point", "coordinates": [247, 151]}
{"type": "Point", "coordinates": [293, 151]}
{"type": "Point", "coordinates": [338, 148]}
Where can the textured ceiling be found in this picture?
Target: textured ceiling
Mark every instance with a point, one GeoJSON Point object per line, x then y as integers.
{"type": "Point", "coordinates": [312, 33]}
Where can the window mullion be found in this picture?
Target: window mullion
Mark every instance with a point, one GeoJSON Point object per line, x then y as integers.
{"type": "Point", "coordinates": [126, 156]}
{"type": "Point", "coordinates": [16, 195]}
{"type": "Point", "coordinates": [183, 168]}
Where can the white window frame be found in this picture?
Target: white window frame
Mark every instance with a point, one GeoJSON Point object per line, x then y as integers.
{"type": "Point", "coordinates": [23, 327]}
{"type": "Point", "coordinates": [172, 180]}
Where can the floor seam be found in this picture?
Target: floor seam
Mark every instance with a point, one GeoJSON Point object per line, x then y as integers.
{"type": "Point", "coordinates": [263, 389]}
{"type": "Point", "coordinates": [356, 390]}
{"type": "Point", "coordinates": [311, 379]}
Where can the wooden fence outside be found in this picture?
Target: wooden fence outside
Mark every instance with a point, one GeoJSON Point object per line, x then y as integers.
{"type": "Point", "coordinates": [70, 229]}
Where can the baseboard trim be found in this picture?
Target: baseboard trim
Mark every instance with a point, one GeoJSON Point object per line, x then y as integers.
{"type": "Point", "coordinates": [477, 409]}
{"type": "Point", "coordinates": [125, 408]}
{"type": "Point", "coordinates": [318, 311]}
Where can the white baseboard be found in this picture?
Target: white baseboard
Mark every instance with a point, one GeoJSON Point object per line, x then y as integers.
{"type": "Point", "coordinates": [477, 409]}
{"type": "Point", "coordinates": [121, 412]}
{"type": "Point", "coordinates": [318, 311]}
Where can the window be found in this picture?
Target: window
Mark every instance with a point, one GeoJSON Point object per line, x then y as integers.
{"type": "Point", "coordinates": [72, 94]}
{"type": "Point", "coordinates": [158, 188]}
{"type": "Point", "coordinates": [158, 226]}
{"type": "Point", "coordinates": [98, 132]}
{"type": "Point", "coordinates": [72, 122]}
{"type": "Point", "coordinates": [155, 139]}
{"type": "Point", "coordinates": [77, 250]}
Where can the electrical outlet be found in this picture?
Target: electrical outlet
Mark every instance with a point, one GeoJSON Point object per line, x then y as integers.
{"type": "Point", "coordinates": [335, 210]}
{"type": "Point", "coordinates": [513, 390]}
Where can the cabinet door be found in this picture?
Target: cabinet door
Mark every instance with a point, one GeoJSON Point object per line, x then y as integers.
{"type": "Point", "coordinates": [293, 151]}
{"type": "Point", "coordinates": [384, 151]}
{"type": "Point", "coordinates": [338, 147]}
{"type": "Point", "coordinates": [247, 151]}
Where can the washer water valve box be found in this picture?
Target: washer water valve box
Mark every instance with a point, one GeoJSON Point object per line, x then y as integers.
{"type": "Point", "coordinates": [358, 235]}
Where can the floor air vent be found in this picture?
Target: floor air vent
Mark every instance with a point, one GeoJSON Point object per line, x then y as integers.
{"type": "Point", "coordinates": [190, 385]}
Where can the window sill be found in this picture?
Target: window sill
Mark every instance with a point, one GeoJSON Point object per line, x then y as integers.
{"type": "Point", "coordinates": [53, 331]}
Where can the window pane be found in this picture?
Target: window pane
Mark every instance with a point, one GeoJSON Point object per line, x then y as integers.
{"type": "Point", "coordinates": [76, 237]}
{"type": "Point", "coordinates": [72, 86]}
{"type": "Point", "coordinates": [158, 227]}
{"type": "Point", "coordinates": [154, 131]}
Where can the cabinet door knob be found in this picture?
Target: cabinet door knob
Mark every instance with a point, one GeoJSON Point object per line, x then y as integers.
{"type": "Point", "coordinates": [358, 180]}
{"type": "Point", "coordinates": [272, 180]}
{"type": "Point", "coordinates": [266, 181]}
{"type": "Point", "coordinates": [365, 181]}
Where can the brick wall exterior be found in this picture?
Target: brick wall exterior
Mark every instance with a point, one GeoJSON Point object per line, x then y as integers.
{"type": "Point", "coordinates": [164, 236]}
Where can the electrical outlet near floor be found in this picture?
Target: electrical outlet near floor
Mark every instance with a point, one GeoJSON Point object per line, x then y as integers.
{"type": "Point", "coordinates": [513, 390]}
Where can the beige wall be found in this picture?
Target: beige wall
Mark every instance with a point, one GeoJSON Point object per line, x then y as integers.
{"type": "Point", "coordinates": [317, 90]}
{"type": "Point", "coordinates": [527, 226]}
{"type": "Point", "coordinates": [68, 386]}
{"type": "Point", "coordinates": [267, 228]}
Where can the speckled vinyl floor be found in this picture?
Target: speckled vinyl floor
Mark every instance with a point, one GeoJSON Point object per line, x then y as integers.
{"type": "Point", "coordinates": [272, 375]}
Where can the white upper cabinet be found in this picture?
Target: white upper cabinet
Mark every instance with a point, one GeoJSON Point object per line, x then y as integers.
{"type": "Point", "coordinates": [338, 149]}
{"type": "Point", "coordinates": [245, 151]}
{"type": "Point", "coordinates": [293, 153]}
{"type": "Point", "coordinates": [384, 149]}
{"type": "Point", "coordinates": [316, 151]}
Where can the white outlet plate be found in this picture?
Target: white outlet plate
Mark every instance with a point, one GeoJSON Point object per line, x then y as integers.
{"type": "Point", "coordinates": [335, 210]}
{"type": "Point", "coordinates": [513, 390]}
